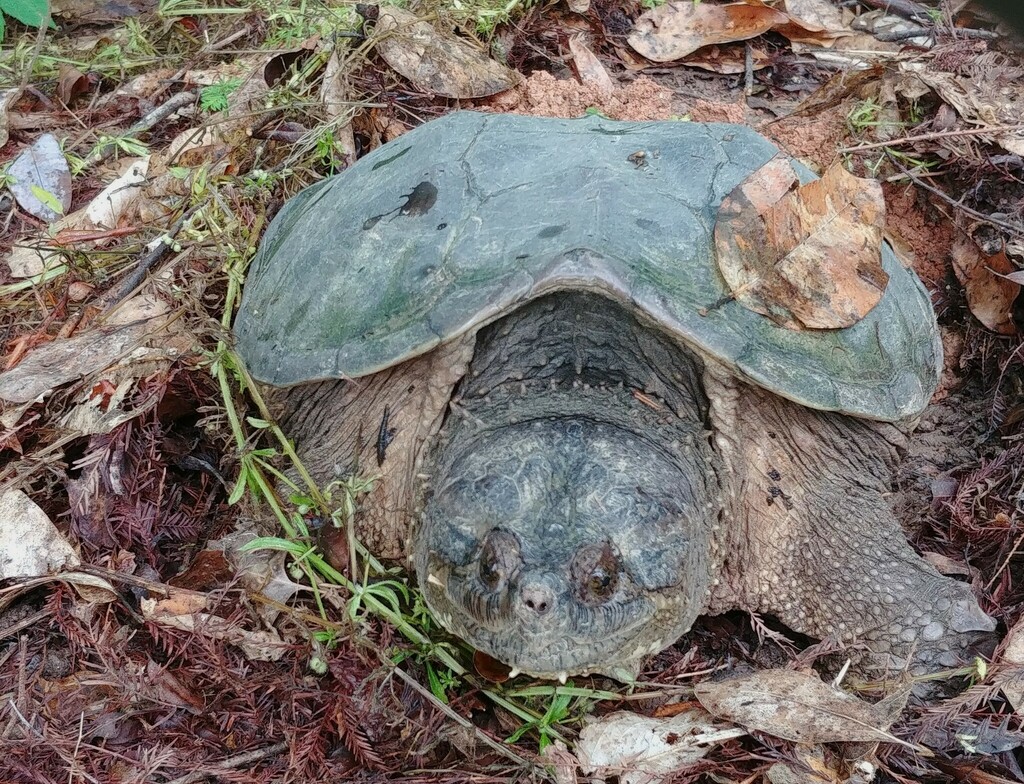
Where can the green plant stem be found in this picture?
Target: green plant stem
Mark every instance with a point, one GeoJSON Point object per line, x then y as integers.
{"type": "Point", "coordinates": [282, 439]}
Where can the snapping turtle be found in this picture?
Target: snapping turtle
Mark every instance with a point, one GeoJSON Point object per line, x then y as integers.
{"type": "Point", "coordinates": [518, 325]}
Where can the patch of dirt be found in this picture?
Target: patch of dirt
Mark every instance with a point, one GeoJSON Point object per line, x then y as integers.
{"type": "Point", "coordinates": [945, 440]}
{"type": "Point", "coordinates": [714, 111]}
{"type": "Point", "coordinates": [952, 353]}
{"type": "Point", "coordinates": [542, 95]}
{"type": "Point", "coordinates": [813, 140]}
{"type": "Point", "coordinates": [923, 235]}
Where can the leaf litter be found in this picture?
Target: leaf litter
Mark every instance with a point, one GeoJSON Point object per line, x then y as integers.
{"type": "Point", "coordinates": [129, 456]}
{"type": "Point", "coordinates": [807, 256]}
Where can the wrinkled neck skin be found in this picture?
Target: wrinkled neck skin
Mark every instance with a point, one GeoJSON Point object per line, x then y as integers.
{"type": "Point", "coordinates": [572, 492]}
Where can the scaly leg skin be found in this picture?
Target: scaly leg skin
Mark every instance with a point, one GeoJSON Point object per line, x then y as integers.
{"type": "Point", "coordinates": [811, 540]}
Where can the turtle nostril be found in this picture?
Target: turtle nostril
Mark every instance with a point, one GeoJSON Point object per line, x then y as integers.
{"type": "Point", "coordinates": [538, 598]}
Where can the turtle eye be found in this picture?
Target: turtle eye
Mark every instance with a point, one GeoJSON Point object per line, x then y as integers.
{"type": "Point", "coordinates": [499, 558]}
{"type": "Point", "coordinates": [596, 573]}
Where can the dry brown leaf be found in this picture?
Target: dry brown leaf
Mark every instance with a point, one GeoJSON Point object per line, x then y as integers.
{"type": "Point", "coordinates": [337, 99]}
{"type": "Point", "coordinates": [816, 15]}
{"type": "Point", "coordinates": [438, 61]}
{"type": "Point", "coordinates": [71, 83]}
{"type": "Point", "coordinates": [807, 256]}
{"type": "Point", "coordinates": [179, 602]}
{"type": "Point", "coordinates": [989, 295]}
{"type": "Point", "coordinates": [676, 29]}
{"type": "Point", "coordinates": [728, 59]}
{"type": "Point", "coordinates": [945, 565]}
{"type": "Point", "coordinates": [813, 22]}
{"type": "Point", "coordinates": [985, 93]}
{"type": "Point", "coordinates": [798, 707]}
{"type": "Point", "coordinates": [182, 611]}
{"type": "Point", "coordinates": [30, 545]}
{"type": "Point", "coordinates": [59, 361]}
{"type": "Point", "coordinates": [41, 179]}
{"type": "Point", "coordinates": [642, 750]}
{"type": "Point", "coordinates": [589, 67]}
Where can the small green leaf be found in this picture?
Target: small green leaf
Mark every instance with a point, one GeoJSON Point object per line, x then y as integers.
{"type": "Point", "coordinates": [259, 424]}
{"type": "Point", "coordinates": [275, 543]}
{"type": "Point", "coordinates": [29, 12]}
{"type": "Point", "coordinates": [215, 97]}
{"type": "Point", "coordinates": [47, 198]}
{"type": "Point", "coordinates": [435, 684]}
{"type": "Point", "coordinates": [238, 491]}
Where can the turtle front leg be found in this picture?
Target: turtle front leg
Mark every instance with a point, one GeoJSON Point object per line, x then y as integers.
{"type": "Point", "coordinates": [811, 540]}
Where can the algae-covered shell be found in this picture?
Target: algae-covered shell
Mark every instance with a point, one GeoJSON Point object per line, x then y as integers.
{"type": "Point", "coordinates": [467, 217]}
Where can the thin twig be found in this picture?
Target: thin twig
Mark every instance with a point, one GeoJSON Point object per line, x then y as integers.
{"type": "Point", "coordinates": [24, 623]}
{"type": "Point", "coordinates": [905, 8]}
{"type": "Point", "coordinates": [1013, 228]}
{"type": "Point", "coordinates": [922, 32]}
{"type": "Point", "coordinates": [748, 70]}
{"type": "Point", "coordinates": [1002, 567]}
{"type": "Point", "coordinates": [500, 748]}
{"type": "Point", "coordinates": [40, 37]}
{"type": "Point", "coordinates": [924, 137]}
{"type": "Point", "coordinates": [162, 112]}
{"type": "Point", "coordinates": [231, 763]}
{"type": "Point", "coordinates": [223, 42]}
{"type": "Point", "coordinates": [144, 264]}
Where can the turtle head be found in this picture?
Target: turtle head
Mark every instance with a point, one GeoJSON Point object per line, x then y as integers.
{"type": "Point", "coordinates": [565, 546]}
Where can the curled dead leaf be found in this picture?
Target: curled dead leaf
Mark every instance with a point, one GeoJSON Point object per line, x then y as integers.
{"type": "Point", "coordinates": [990, 292]}
{"type": "Point", "coordinates": [814, 22]}
{"type": "Point", "coordinates": [800, 707]}
{"type": "Point", "coordinates": [681, 27]}
{"type": "Point", "coordinates": [588, 67]}
{"type": "Point", "coordinates": [438, 61]}
{"type": "Point", "coordinates": [820, 15]}
{"type": "Point", "coordinates": [983, 94]}
{"type": "Point", "coordinates": [71, 83]}
{"type": "Point", "coordinates": [807, 256]}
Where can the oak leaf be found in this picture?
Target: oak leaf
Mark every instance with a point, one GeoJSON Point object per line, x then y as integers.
{"type": "Point", "coordinates": [807, 256]}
